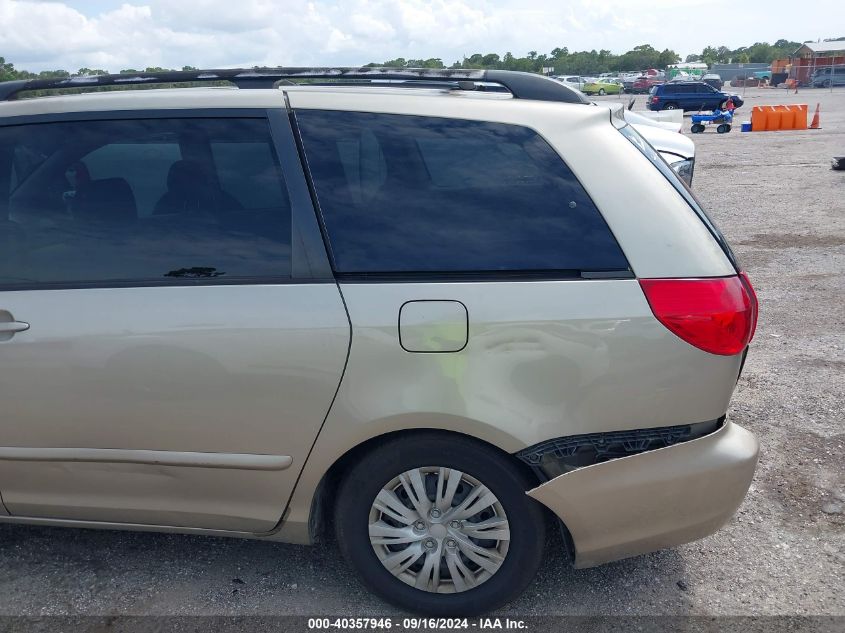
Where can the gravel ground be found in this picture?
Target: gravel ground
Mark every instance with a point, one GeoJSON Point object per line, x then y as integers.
{"type": "Point", "coordinates": [783, 210]}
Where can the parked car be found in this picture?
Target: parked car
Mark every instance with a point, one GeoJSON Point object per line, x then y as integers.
{"type": "Point", "coordinates": [676, 149]}
{"type": "Point", "coordinates": [829, 76]}
{"type": "Point", "coordinates": [573, 81]}
{"type": "Point", "coordinates": [713, 80]}
{"type": "Point", "coordinates": [689, 95]}
{"type": "Point", "coordinates": [603, 87]}
{"type": "Point", "coordinates": [645, 83]}
{"type": "Point", "coordinates": [268, 311]}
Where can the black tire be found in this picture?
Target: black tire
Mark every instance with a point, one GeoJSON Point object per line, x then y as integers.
{"type": "Point", "coordinates": [602, 92]}
{"type": "Point", "coordinates": [697, 128]}
{"type": "Point", "coordinates": [723, 128]}
{"type": "Point", "coordinates": [526, 519]}
{"type": "Point", "coordinates": [669, 106]}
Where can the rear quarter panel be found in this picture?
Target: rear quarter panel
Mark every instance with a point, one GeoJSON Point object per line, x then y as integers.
{"type": "Point", "coordinates": [543, 360]}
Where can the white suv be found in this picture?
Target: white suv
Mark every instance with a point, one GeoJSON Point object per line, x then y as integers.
{"type": "Point", "coordinates": [438, 318]}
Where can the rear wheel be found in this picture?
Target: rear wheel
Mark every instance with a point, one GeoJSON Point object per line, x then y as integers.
{"type": "Point", "coordinates": [670, 106]}
{"type": "Point", "coordinates": [723, 128]}
{"type": "Point", "coordinates": [440, 525]}
{"type": "Point", "coordinates": [697, 128]}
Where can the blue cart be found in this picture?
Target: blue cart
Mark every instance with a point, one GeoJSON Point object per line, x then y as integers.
{"type": "Point", "coordinates": [724, 118]}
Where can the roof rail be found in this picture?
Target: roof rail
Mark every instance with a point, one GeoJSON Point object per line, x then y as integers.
{"type": "Point", "coordinates": [521, 85]}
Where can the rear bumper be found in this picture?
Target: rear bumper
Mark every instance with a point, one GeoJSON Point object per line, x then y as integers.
{"type": "Point", "coordinates": [653, 500]}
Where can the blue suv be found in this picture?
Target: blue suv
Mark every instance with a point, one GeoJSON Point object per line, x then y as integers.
{"type": "Point", "coordinates": [688, 95]}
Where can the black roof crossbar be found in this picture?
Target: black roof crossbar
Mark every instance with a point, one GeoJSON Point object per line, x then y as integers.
{"type": "Point", "coordinates": [521, 85]}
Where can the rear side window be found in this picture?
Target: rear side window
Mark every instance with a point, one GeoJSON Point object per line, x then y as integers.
{"type": "Point", "coordinates": [410, 194]}
{"type": "Point", "coordinates": [142, 201]}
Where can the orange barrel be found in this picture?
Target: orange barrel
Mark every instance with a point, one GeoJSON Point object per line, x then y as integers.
{"type": "Point", "coordinates": [801, 117]}
{"type": "Point", "coordinates": [787, 118]}
{"type": "Point", "coordinates": [758, 118]}
{"type": "Point", "coordinates": [772, 118]}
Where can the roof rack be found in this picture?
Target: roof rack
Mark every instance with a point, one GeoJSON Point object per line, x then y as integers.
{"type": "Point", "coordinates": [521, 85]}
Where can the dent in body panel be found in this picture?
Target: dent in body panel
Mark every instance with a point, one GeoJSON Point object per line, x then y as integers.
{"type": "Point", "coordinates": [544, 359]}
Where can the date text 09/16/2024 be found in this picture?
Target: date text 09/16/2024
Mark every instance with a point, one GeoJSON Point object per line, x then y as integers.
{"type": "Point", "coordinates": [412, 624]}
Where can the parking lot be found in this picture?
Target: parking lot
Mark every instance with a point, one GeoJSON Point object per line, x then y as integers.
{"type": "Point", "coordinates": [783, 210]}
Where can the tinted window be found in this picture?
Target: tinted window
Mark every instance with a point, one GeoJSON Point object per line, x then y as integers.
{"type": "Point", "coordinates": [142, 200]}
{"type": "Point", "coordinates": [419, 194]}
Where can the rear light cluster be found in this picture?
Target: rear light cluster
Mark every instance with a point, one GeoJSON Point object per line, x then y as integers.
{"type": "Point", "coordinates": [718, 315]}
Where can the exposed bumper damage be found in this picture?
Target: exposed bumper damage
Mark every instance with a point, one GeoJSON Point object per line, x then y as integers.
{"type": "Point", "coordinates": [655, 499]}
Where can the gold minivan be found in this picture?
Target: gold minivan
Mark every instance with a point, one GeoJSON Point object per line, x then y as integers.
{"type": "Point", "coordinates": [436, 312]}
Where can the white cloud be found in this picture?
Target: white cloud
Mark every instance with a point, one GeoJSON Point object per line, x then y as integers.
{"type": "Point", "coordinates": [212, 33]}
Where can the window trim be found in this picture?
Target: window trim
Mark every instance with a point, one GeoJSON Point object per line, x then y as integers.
{"type": "Point", "coordinates": [309, 265]}
{"type": "Point", "coordinates": [484, 276]}
{"type": "Point", "coordinates": [122, 115]}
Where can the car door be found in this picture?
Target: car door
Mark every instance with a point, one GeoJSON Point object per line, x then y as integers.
{"type": "Point", "coordinates": [709, 97]}
{"type": "Point", "coordinates": [679, 93]}
{"type": "Point", "coordinates": [171, 336]}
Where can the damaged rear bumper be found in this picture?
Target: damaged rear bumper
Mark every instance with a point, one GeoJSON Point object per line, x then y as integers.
{"type": "Point", "coordinates": [653, 500]}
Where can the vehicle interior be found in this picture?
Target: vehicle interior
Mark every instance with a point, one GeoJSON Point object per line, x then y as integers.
{"type": "Point", "coordinates": [139, 199]}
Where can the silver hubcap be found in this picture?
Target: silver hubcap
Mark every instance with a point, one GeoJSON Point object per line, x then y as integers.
{"type": "Point", "coordinates": [439, 530]}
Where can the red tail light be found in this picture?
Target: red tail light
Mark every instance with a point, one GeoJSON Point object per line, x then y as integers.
{"type": "Point", "coordinates": [753, 294]}
{"type": "Point", "coordinates": [717, 315]}
{"type": "Point", "coordinates": [655, 99]}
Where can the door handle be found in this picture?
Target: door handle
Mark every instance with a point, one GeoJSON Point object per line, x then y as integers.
{"type": "Point", "coordinates": [11, 327]}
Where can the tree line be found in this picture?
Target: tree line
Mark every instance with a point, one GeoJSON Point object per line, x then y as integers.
{"type": "Point", "coordinates": [8, 72]}
{"type": "Point", "coordinates": [594, 62]}
{"type": "Point", "coordinates": [561, 59]}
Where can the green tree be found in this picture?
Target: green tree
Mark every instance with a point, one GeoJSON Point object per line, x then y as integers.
{"type": "Point", "coordinates": [667, 57]}
{"type": "Point", "coordinates": [7, 70]}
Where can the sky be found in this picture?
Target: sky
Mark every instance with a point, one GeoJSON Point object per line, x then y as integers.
{"type": "Point", "coordinates": [40, 35]}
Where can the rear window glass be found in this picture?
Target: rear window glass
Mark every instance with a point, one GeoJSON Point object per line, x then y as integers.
{"type": "Point", "coordinates": [409, 194]}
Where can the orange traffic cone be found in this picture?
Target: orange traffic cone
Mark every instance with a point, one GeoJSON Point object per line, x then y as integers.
{"type": "Point", "coordinates": [815, 123]}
